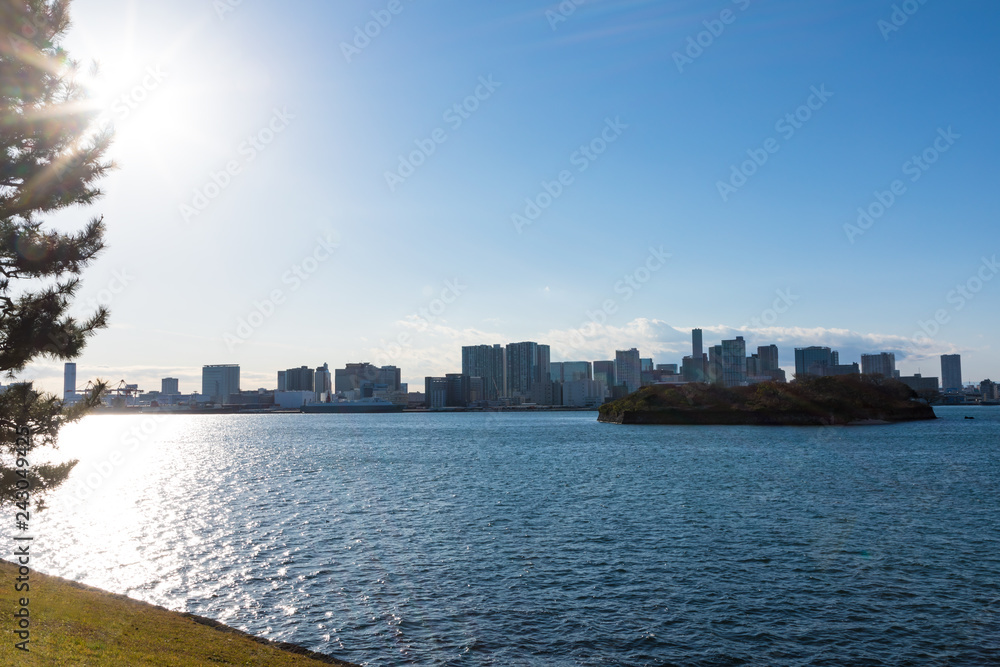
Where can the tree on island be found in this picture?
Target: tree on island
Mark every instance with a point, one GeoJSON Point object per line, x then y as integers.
{"type": "Point", "coordinates": [51, 159]}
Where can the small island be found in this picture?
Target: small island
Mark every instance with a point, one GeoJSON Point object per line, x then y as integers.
{"type": "Point", "coordinates": [810, 401]}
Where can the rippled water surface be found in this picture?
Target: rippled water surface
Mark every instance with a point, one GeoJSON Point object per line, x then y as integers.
{"type": "Point", "coordinates": [534, 539]}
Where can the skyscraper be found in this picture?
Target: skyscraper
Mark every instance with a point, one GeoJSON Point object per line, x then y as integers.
{"type": "Point", "coordinates": [300, 379]}
{"type": "Point", "coordinates": [604, 373]}
{"type": "Point", "coordinates": [570, 371]}
{"type": "Point", "coordinates": [734, 362]}
{"type": "Point", "coordinates": [527, 363]}
{"type": "Point", "coordinates": [627, 369]}
{"type": "Point", "coordinates": [696, 344]}
{"type": "Point", "coordinates": [324, 380]}
{"type": "Point", "coordinates": [219, 382]}
{"type": "Point", "coordinates": [808, 357]}
{"type": "Point", "coordinates": [883, 363]}
{"type": "Point", "coordinates": [169, 387]}
{"type": "Point", "coordinates": [768, 358]}
{"type": "Point", "coordinates": [486, 362]}
{"type": "Point", "coordinates": [69, 380]}
{"type": "Point", "coordinates": [951, 371]}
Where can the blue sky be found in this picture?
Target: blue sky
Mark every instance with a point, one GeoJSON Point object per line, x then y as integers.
{"type": "Point", "coordinates": [201, 78]}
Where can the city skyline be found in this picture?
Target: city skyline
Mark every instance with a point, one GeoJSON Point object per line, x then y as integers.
{"type": "Point", "coordinates": [673, 353]}
{"type": "Point", "coordinates": [509, 370]}
{"type": "Point", "coordinates": [482, 173]}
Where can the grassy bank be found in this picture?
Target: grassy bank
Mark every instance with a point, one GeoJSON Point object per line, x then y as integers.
{"type": "Point", "coordinates": [73, 624]}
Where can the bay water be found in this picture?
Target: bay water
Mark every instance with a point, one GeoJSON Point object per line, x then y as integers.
{"type": "Point", "coordinates": [546, 538]}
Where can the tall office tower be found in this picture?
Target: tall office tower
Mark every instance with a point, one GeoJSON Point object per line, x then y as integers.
{"type": "Point", "coordinates": [713, 371]}
{"type": "Point", "coordinates": [734, 362]}
{"type": "Point", "coordinates": [628, 371]}
{"type": "Point", "coordinates": [170, 387]}
{"type": "Point", "coordinates": [543, 362]}
{"type": "Point", "coordinates": [218, 383]}
{"type": "Point", "coordinates": [696, 344]}
{"type": "Point", "coordinates": [527, 363]}
{"type": "Point", "coordinates": [458, 390]}
{"type": "Point", "coordinates": [834, 358]}
{"type": "Point", "coordinates": [389, 377]}
{"type": "Point", "coordinates": [69, 380]}
{"type": "Point", "coordinates": [573, 371]}
{"type": "Point", "coordinates": [808, 357]}
{"type": "Point", "coordinates": [951, 371]}
{"type": "Point", "coordinates": [646, 365]}
{"type": "Point", "coordinates": [768, 358]}
{"type": "Point", "coordinates": [694, 369]}
{"type": "Point", "coordinates": [324, 380]}
{"type": "Point", "coordinates": [570, 371]}
{"type": "Point", "coordinates": [604, 372]}
{"type": "Point", "coordinates": [486, 362]}
{"type": "Point", "coordinates": [300, 379]}
{"type": "Point", "coordinates": [282, 381]}
{"type": "Point", "coordinates": [883, 363]}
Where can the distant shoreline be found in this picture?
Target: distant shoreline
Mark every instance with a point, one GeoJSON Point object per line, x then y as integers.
{"type": "Point", "coordinates": [228, 411]}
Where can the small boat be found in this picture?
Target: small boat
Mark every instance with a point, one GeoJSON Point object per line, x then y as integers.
{"type": "Point", "coordinates": [967, 417]}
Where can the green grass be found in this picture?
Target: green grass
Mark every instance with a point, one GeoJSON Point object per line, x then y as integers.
{"type": "Point", "coordinates": [72, 624]}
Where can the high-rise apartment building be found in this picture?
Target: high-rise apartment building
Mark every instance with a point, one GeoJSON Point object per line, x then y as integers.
{"type": "Point", "coordinates": [300, 379]}
{"type": "Point", "coordinates": [570, 371]}
{"type": "Point", "coordinates": [170, 387]}
{"type": "Point", "coordinates": [768, 356]}
{"type": "Point", "coordinates": [734, 362]}
{"type": "Point", "coordinates": [604, 373]}
{"type": "Point", "coordinates": [69, 380]}
{"type": "Point", "coordinates": [324, 380]}
{"type": "Point", "coordinates": [218, 383]}
{"type": "Point", "coordinates": [883, 363]}
{"type": "Point", "coordinates": [628, 370]}
{"type": "Point", "coordinates": [951, 371]}
{"type": "Point", "coordinates": [486, 362]}
{"type": "Point", "coordinates": [807, 359]}
{"type": "Point", "coordinates": [527, 363]}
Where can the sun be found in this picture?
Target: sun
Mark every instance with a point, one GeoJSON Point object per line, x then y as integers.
{"type": "Point", "coordinates": [139, 102]}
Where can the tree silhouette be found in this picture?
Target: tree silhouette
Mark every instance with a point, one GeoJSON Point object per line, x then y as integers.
{"type": "Point", "coordinates": [51, 159]}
